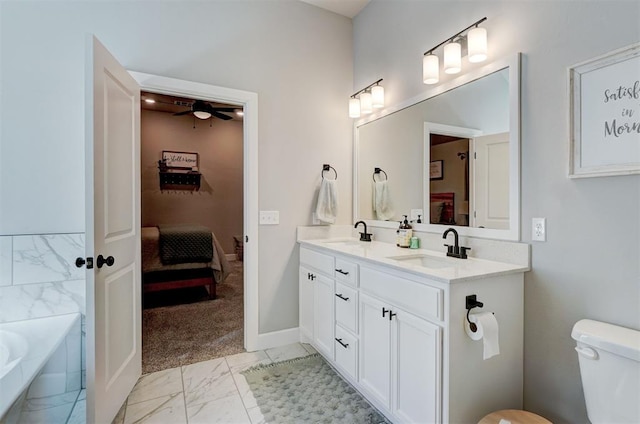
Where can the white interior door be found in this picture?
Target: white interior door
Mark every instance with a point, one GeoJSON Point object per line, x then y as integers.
{"type": "Point", "coordinates": [490, 189]}
{"type": "Point", "coordinates": [114, 351]}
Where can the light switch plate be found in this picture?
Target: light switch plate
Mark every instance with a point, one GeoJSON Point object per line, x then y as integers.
{"type": "Point", "coordinates": [539, 229]}
{"type": "Point", "coordinates": [269, 217]}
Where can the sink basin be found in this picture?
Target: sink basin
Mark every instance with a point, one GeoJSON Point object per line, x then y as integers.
{"type": "Point", "coordinates": [426, 261]}
{"type": "Point", "coordinates": [343, 242]}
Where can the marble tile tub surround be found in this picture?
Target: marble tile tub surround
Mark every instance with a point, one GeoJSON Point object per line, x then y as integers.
{"type": "Point", "coordinates": [493, 250]}
{"type": "Point", "coordinates": [38, 276]}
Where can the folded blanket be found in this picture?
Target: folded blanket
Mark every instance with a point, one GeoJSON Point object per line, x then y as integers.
{"type": "Point", "coordinates": [151, 256]}
{"type": "Point", "coordinates": [185, 243]}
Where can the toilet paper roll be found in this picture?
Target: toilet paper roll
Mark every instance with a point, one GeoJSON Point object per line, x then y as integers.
{"type": "Point", "coordinates": [487, 330]}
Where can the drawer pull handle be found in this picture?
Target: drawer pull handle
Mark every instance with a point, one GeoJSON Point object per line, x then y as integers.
{"type": "Point", "coordinates": [344, 345]}
{"type": "Point", "coordinates": [391, 315]}
{"type": "Point", "coordinates": [342, 272]}
{"type": "Point", "coordinates": [310, 276]}
{"type": "Point", "coordinates": [346, 299]}
{"type": "Point", "coordinates": [384, 312]}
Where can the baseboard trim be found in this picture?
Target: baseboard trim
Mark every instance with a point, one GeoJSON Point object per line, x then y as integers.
{"type": "Point", "coordinates": [277, 338]}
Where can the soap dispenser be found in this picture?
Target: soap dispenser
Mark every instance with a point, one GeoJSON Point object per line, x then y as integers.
{"type": "Point", "coordinates": [404, 233]}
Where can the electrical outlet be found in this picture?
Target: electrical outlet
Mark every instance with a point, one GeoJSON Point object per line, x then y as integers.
{"type": "Point", "coordinates": [539, 229]}
{"type": "Point", "coordinates": [269, 217]}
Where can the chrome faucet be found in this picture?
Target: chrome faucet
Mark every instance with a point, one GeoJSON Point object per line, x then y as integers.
{"type": "Point", "coordinates": [363, 236]}
{"type": "Point", "coordinates": [456, 250]}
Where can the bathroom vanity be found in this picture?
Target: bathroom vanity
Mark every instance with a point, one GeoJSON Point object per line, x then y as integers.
{"type": "Point", "coordinates": [391, 321]}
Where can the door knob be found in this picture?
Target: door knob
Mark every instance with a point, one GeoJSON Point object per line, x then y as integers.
{"type": "Point", "coordinates": [80, 262]}
{"type": "Point", "coordinates": [101, 261]}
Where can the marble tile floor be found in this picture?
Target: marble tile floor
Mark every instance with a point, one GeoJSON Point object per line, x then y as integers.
{"type": "Point", "coordinates": [208, 392]}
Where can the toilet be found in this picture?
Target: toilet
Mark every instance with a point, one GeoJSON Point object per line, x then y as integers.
{"type": "Point", "coordinates": [609, 358]}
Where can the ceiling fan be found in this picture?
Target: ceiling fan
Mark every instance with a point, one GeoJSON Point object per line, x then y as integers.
{"type": "Point", "coordinates": [204, 110]}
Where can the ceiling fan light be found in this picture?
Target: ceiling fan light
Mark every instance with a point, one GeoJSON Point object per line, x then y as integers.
{"type": "Point", "coordinates": [150, 101]}
{"type": "Point", "coordinates": [200, 114]}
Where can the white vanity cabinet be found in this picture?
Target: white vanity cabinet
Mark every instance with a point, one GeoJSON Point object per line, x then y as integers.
{"type": "Point", "coordinates": [400, 360]}
{"type": "Point", "coordinates": [396, 332]}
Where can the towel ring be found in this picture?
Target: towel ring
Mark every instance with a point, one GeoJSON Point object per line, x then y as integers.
{"type": "Point", "coordinates": [327, 167]}
{"type": "Point", "coordinates": [378, 171]}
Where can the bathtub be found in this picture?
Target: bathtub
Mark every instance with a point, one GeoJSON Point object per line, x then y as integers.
{"type": "Point", "coordinates": [25, 347]}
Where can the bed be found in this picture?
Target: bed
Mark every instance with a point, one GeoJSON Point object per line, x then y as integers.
{"type": "Point", "coordinates": [181, 270]}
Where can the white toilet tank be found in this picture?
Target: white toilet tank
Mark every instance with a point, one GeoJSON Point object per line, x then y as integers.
{"type": "Point", "coordinates": [609, 358]}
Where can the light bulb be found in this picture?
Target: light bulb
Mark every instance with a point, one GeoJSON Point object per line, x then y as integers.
{"type": "Point", "coordinates": [377, 96]}
{"type": "Point", "coordinates": [477, 45]}
{"type": "Point", "coordinates": [366, 103]}
{"type": "Point", "coordinates": [452, 58]}
{"type": "Point", "coordinates": [430, 69]}
{"type": "Point", "coordinates": [201, 114]}
{"type": "Point", "coordinates": [354, 108]}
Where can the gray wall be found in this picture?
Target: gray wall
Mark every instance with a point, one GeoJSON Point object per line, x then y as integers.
{"type": "Point", "coordinates": [298, 58]}
{"type": "Point", "coordinates": [589, 265]}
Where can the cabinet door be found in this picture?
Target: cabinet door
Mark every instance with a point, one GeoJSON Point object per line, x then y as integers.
{"type": "Point", "coordinates": [305, 281]}
{"type": "Point", "coordinates": [416, 374]}
{"type": "Point", "coordinates": [375, 349]}
{"type": "Point", "coordinates": [323, 318]}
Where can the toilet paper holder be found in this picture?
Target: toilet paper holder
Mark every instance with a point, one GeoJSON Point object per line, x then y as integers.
{"type": "Point", "coordinates": [471, 302]}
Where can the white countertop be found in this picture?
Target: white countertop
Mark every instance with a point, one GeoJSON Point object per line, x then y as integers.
{"type": "Point", "coordinates": [380, 253]}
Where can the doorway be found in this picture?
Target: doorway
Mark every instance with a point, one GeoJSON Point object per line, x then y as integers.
{"type": "Point", "coordinates": [191, 162]}
{"type": "Point", "coordinates": [248, 102]}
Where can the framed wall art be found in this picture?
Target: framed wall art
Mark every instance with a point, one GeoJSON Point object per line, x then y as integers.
{"type": "Point", "coordinates": [180, 160]}
{"type": "Point", "coordinates": [436, 170]}
{"type": "Point", "coordinates": [605, 115]}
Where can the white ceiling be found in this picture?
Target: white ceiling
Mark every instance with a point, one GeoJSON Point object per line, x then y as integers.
{"type": "Point", "coordinates": [348, 8]}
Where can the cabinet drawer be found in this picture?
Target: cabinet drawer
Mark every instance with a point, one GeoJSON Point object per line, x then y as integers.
{"type": "Point", "coordinates": [346, 352]}
{"type": "Point", "coordinates": [319, 261]}
{"type": "Point", "coordinates": [346, 272]}
{"type": "Point", "coordinates": [419, 299]}
{"type": "Point", "coordinates": [346, 301]}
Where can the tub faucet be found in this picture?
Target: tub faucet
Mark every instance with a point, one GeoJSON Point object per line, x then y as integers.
{"type": "Point", "coordinates": [363, 236]}
{"type": "Point", "coordinates": [456, 250]}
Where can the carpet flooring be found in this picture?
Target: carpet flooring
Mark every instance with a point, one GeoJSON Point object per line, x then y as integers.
{"type": "Point", "coordinates": [308, 390]}
{"type": "Point", "coordinates": [182, 326]}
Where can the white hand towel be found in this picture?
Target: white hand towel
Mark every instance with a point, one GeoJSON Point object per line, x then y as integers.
{"type": "Point", "coordinates": [382, 201]}
{"type": "Point", "coordinates": [327, 207]}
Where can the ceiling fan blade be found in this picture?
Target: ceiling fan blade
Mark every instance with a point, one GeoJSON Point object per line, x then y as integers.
{"type": "Point", "coordinates": [182, 113]}
{"type": "Point", "coordinates": [224, 109]}
{"type": "Point", "coordinates": [220, 115]}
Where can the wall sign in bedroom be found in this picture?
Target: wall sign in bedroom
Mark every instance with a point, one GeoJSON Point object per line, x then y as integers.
{"type": "Point", "coordinates": [179, 171]}
{"type": "Point", "coordinates": [436, 168]}
{"type": "Point", "coordinates": [605, 115]}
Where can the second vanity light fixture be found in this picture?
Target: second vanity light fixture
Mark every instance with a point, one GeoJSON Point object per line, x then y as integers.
{"type": "Point", "coordinates": [364, 101]}
{"type": "Point", "coordinates": [476, 41]}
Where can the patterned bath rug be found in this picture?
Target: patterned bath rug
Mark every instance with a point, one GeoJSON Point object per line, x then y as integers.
{"type": "Point", "coordinates": [308, 390]}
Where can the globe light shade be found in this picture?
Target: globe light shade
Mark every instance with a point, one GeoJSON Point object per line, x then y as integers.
{"type": "Point", "coordinates": [354, 107]}
{"type": "Point", "coordinates": [377, 96]}
{"type": "Point", "coordinates": [202, 115]}
{"type": "Point", "coordinates": [477, 45]}
{"type": "Point", "coordinates": [430, 69]}
{"type": "Point", "coordinates": [452, 58]}
{"type": "Point", "coordinates": [366, 103]}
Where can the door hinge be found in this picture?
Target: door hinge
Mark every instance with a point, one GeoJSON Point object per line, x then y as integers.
{"type": "Point", "coordinates": [246, 239]}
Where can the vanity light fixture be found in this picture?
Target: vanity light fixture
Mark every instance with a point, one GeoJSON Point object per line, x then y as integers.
{"type": "Point", "coordinates": [364, 101]}
{"type": "Point", "coordinates": [476, 43]}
